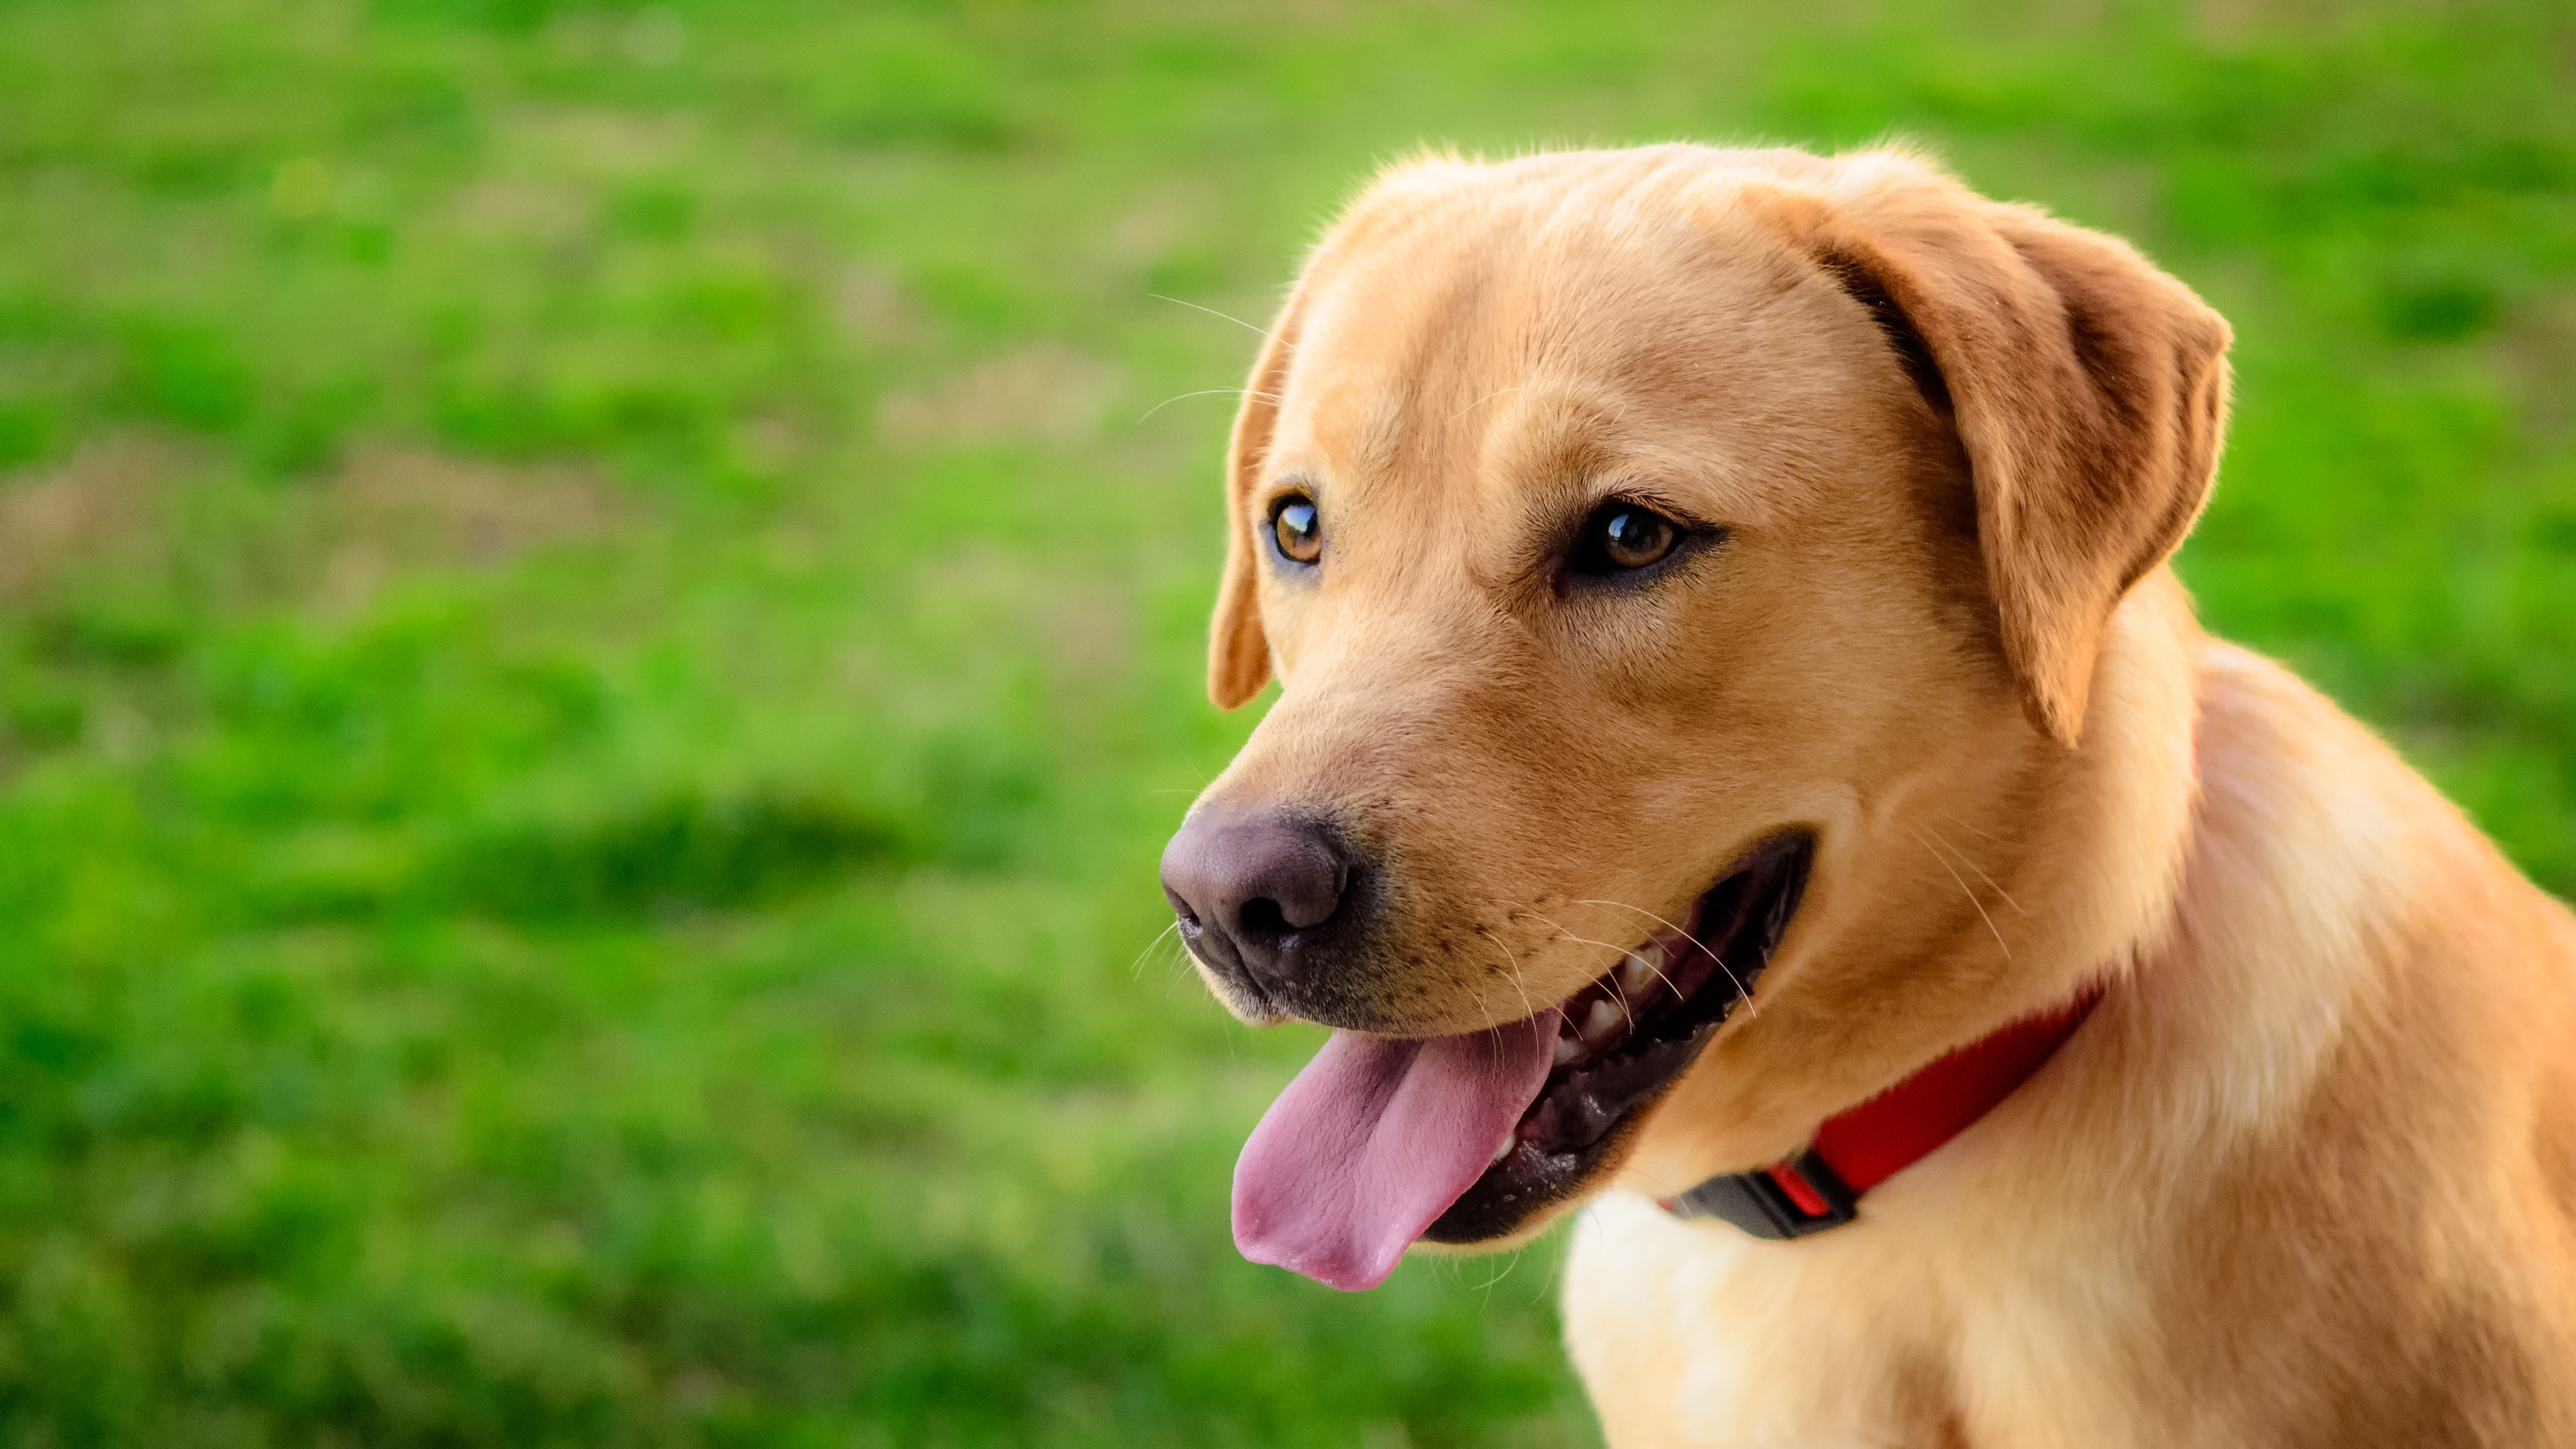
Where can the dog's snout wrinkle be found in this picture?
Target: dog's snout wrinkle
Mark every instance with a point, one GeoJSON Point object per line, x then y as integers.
{"type": "Point", "coordinates": [1244, 887]}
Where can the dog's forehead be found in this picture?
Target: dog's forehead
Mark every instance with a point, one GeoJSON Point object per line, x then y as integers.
{"type": "Point", "coordinates": [1483, 341]}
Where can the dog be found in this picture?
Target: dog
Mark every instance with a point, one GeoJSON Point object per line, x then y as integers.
{"type": "Point", "coordinates": [1745, 770]}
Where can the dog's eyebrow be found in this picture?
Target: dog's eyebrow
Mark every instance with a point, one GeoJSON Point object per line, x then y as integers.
{"type": "Point", "coordinates": [1563, 435]}
{"type": "Point", "coordinates": [1383, 435]}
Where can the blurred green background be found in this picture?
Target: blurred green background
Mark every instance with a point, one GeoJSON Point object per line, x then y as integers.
{"type": "Point", "coordinates": [600, 628]}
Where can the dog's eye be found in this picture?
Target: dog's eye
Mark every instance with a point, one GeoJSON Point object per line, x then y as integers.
{"type": "Point", "coordinates": [1623, 536]}
{"type": "Point", "coordinates": [1296, 529]}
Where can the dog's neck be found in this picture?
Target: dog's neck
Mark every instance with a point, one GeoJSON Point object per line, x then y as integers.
{"type": "Point", "coordinates": [2104, 830]}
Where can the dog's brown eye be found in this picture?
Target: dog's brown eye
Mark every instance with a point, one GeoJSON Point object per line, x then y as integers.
{"type": "Point", "coordinates": [1299, 533]}
{"type": "Point", "coordinates": [1624, 536]}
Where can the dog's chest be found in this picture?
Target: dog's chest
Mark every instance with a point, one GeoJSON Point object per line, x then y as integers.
{"type": "Point", "coordinates": [1690, 1334]}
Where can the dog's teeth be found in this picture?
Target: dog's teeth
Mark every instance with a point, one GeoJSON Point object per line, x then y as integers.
{"type": "Point", "coordinates": [1504, 1148]}
{"type": "Point", "coordinates": [1601, 1021]}
{"type": "Point", "coordinates": [1634, 973]}
{"type": "Point", "coordinates": [1567, 1048]}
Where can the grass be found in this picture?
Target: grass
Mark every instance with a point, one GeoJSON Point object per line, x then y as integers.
{"type": "Point", "coordinates": [600, 626]}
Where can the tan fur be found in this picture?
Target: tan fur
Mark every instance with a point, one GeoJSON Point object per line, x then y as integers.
{"type": "Point", "coordinates": [2305, 1177]}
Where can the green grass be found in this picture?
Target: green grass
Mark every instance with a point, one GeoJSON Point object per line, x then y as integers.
{"type": "Point", "coordinates": [596, 648]}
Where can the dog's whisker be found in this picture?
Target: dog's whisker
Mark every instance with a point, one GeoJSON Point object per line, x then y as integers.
{"type": "Point", "coordinates": [1658, 1186]}
{"type": "Point", "coordinates": [1972, 830]}
{"type": "Point", "coordinates": [1181, 962]}
{"type": "Point", "coordinates": [1178, 965]}
{"type": "Point", "coordinates": [1514, 964]}
{"type": "Point", "coordinates": [1617, 955]}
{"type": "Point", "coordinates": [1555, 1267]}
{"type": "Point", "coordinates": [1204, 392]}
{"type": "Point", "coordinates": [1972, 865]}
{"type": "Point", "coordinates": [1742, 990]}
{"type": "Point", "coordinates": [1649, 915]}
{"type": "Point", "coordinates": [1228, 316]}
{"type": "Point", "coordinates": [1136, 968]}
{"type": "Point", "coordinates": [1963, 889]}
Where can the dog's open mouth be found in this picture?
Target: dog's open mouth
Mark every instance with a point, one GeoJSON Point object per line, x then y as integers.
{"type": "Point", "coordinates": [1623, 1039]}
{"type": "Point", "coordinates": [1465, 1139]}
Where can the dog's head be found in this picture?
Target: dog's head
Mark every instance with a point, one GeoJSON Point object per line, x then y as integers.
{"type": "Point", "coordinates": [1686, 572]}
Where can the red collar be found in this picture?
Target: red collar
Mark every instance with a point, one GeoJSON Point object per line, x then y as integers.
{"type": "Point", "coordinates": [1857, 1150]}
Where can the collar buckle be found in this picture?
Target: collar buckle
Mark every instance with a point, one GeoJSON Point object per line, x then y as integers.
{"type": "Point", "coordinates": [1791, 1198]}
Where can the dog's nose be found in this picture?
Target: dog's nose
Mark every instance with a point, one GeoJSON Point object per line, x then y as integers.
{"type": "Point", "coordinates": [1246, 886]}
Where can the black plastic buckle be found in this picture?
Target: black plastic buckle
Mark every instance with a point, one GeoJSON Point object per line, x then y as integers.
{"type": "Point", "coordinates": [1757, 1203]}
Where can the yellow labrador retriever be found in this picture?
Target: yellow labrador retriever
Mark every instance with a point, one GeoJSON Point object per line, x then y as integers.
{"type": "Point", "coordinates": [1744, 763]}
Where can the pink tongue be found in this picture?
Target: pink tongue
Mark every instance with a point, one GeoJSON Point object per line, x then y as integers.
{"type": "Point", "coordinates": [1374, 1140]}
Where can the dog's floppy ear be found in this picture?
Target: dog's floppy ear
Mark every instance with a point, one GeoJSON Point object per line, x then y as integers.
{"type": "Point", "coordinates": [1238, 652]}
{"type": "Point", "coordinates": [2088, 388]}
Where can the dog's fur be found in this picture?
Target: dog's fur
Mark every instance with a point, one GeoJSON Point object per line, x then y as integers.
{"type": "Point", "coordinates": [2306, 1176]}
